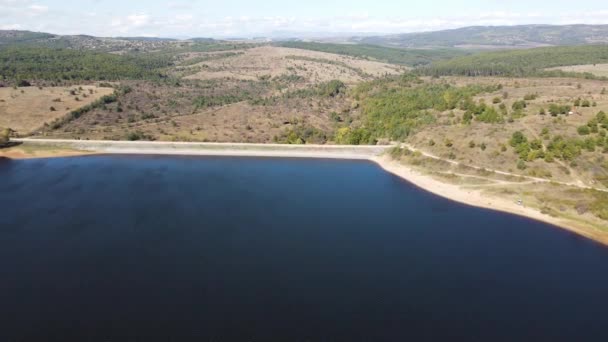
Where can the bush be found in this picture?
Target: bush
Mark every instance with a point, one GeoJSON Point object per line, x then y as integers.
{"type": "Point", "coordinates": [332, 88]}
{"type": "Point", "coordinates": [555, 109]}
{"type": "Point", "coordinates": [583, 130]}
{"type": "Point", "coordinates": [521, 165]}
{"type": "Point", "coordinates": [335, 117]}
{"type": "Point", "coordinates": [518, 138]}
{"type": "Point", "coordinates": [490, 115]}
{"type": "Point", "coordinates": [519, 105]}
{"type": "Point", "coordinates": [4, 135]}
{"type": "Point", "coordinates": [359, 136]}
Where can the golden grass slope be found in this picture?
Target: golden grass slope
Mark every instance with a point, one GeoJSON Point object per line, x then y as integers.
{"type": "Point", "coordinates": [313, 66]}
{"type": "Point", "coordinates": [596, 69]}
{"type": "Point", "coordinates": [26, 109]}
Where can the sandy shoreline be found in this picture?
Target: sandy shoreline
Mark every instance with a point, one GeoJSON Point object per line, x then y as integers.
{"type": "Point", "coordinates": [476, 199]}
{"type": "Point", "coordinates": [63, 148]}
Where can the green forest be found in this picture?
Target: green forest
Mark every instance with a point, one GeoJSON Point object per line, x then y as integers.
{"type": "Point", "coordinates": [394, 109]}
{"type": "Point", "coordinates": [531, 62]}
{"type": "Point", "coordinates": [409, 57]}
{"type": "Point", "coordinates": [29, 63]}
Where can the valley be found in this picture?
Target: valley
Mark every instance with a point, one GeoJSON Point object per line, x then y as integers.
{"type": "Point", "coordinates": [492, 122]}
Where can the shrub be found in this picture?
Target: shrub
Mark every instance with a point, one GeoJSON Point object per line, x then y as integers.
{"type": "Point", "coordinates": [583, 130]}
{"type": "Point", "coordinates": [518, 138]}
{"type": "Point", "coordinates": [335, 117]}
{"type": "Point", "coordinates": [4, 135]}
{"type": "Point", "coordinates": [332, 88]}
{"type": "Point", "coordinates": [555, 109]}
{"type": "Point", "coordinates": [490, 115]}
{"type": "Point", "coordinates": [521, 165]}
{"type": "Point", "coordinates": [519, 105]}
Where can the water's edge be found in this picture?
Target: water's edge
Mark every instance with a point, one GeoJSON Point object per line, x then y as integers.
{"type": "Point", "coordinates": [374, 154]}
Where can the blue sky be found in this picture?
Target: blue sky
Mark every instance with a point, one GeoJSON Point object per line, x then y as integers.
{"type": "Point", "coordinates": [242, 18]}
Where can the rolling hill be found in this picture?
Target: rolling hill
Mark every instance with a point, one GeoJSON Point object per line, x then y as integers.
{"type": "Point", "coordinates": [493, 37]}
{"type": "Point", "coordinates": [520, 63]}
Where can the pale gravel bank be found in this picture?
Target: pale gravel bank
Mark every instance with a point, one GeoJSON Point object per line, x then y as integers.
{"type": "Point", "coordinates": [372, 153]}
{"type": "Point", "coordinates": [211, 149]}
{"type": "Point", "coordinates": [478, 199]}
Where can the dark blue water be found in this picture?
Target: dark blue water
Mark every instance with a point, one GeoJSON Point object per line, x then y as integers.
{"type": "Point", "coordinates": [227, 249]}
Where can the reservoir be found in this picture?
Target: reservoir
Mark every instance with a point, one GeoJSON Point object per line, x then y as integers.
{"type": "Point", "coordinates": [159, 248]}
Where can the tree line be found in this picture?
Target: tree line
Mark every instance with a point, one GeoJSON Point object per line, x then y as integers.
{"type": "Point", "coordinates": [34, 63]}
{"type": "Point", "coordinates": [409, 57]}
{"type": "Point", "coordinates": [519, 63]}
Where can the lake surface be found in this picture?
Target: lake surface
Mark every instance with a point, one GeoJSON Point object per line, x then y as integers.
{"type": "Point", "coordinates": [151, 248]}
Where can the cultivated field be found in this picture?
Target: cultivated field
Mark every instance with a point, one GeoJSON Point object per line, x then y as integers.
{"type": "Point", "coordinates": [270, 62]}
{"type": "Point", "coordinates": [26, 109]}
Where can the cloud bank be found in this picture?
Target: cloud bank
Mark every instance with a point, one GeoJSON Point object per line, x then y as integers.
{"type": "Point", "coordinates": [182, 19]}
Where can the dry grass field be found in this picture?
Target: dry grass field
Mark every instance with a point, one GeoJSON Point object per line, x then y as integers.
{"type": "Point", "coordinates": [491, 141]}
{"type": "Point", "coordinates": [27, 109]}
{"type": "Point", "coordinates": [596, 69]}
{"type": "Point", "coordinates": [171, 118]}
{"type": "Point", "coordinates": [269, 61]}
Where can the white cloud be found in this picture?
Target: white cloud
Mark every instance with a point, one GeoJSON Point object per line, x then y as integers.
{"type": "Point", "coordinates": [182, 18]}
{"type": "Point", "coordinates": [138, 20]}
{"type": "Point", "coordinates": [38, 9]}
{"type": "Point", "coordinates": [11, 27]}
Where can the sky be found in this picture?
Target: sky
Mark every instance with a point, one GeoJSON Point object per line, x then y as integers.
{"type": "Point", "coordinates": [246, 18]}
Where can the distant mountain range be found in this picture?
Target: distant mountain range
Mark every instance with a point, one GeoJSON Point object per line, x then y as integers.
{"type": "Point", "coordinates": [116, 44]}
{"type": "Point", "coordinates": [492, 37]}
{"type": "Point", "coordinates": [474, 37]}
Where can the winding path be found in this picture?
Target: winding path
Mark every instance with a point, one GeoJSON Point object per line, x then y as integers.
{"type": "Point", "coordinates": [535, 179]}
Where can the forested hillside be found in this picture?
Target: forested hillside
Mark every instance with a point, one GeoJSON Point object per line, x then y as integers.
{"type": "Point", "coordinates": [531, 62]}
{"type": "Point", "coordinates": [15, 37]}
{"type": "Point", "coordinates": [410, 57]}
{"type": "Point", "coordinates": [30, 63]}
{"type": "Point", "coordinates": [497, 36]}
